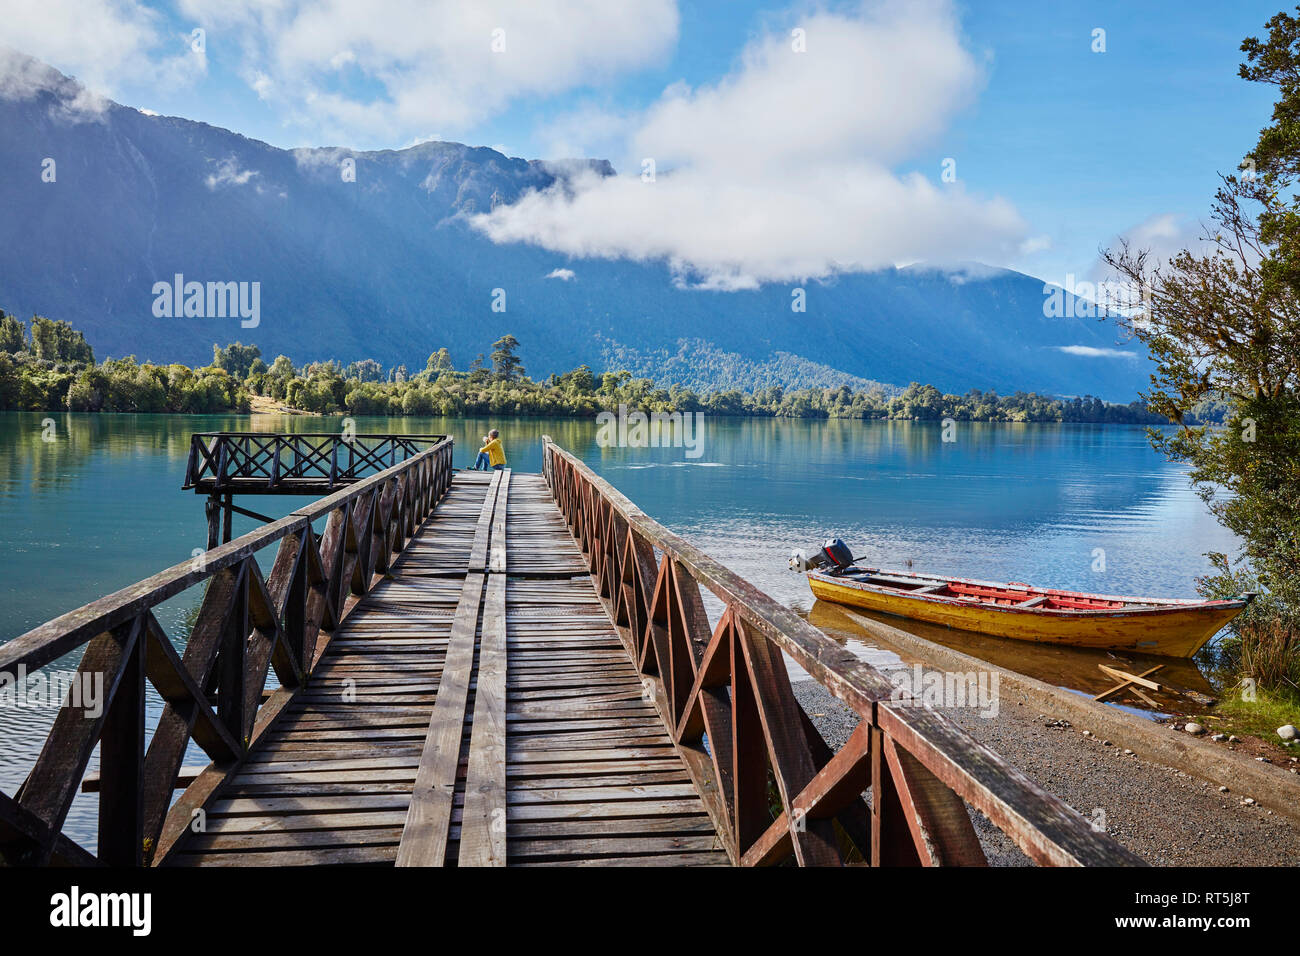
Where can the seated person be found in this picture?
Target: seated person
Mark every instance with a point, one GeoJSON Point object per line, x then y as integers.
{"type": "Point", "coordinates": [492, 448]}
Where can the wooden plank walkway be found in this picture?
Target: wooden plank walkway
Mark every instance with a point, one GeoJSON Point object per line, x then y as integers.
{"type": "Point", "coordinates": [477, 708]}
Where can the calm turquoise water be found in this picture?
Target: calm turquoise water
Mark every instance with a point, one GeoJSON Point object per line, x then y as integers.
{"type": "Point", "coordinates": [101, 507]}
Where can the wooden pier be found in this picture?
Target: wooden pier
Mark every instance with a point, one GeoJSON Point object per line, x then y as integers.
{"type": "Point", "coordinates": [552, 725]}
{"type": "Point", "coordinates": [482, 668]}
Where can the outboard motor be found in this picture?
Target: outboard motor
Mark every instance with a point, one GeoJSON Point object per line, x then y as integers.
{"type": "Point", "coordinates": [837, 555]}
{"type": "Point", "coordinates": [799, 560]}
{"type": "Point", "coordinates": [834, 556]}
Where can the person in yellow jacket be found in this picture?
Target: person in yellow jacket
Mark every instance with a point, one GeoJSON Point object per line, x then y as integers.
{"type": "Point", "coordinates": [496, 455]}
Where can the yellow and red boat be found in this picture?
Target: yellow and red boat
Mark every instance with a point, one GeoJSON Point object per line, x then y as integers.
{"type": "Point", "coordinates": [1171, 627]}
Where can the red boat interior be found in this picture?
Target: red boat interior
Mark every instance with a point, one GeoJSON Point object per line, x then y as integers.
{"type": "Point", "coordinates": [992, 594]}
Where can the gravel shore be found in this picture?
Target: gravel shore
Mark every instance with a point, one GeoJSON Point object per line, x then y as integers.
{"type": "Point", "coordinates": [1167, 817]}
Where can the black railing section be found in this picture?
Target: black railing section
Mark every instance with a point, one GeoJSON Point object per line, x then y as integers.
{"type": "Point", "coordinates": [308, 463]}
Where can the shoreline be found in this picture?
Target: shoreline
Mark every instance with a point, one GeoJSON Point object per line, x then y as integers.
{"type": "Point", "coordinates": [265, 405]}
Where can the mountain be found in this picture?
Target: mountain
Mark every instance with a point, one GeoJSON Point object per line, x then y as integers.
{"type": "Point", "coordinates": [386, 266]}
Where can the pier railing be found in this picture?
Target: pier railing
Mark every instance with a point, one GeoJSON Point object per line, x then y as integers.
{"type": "Point", "coordinates": [247, 626]}
{"type": "Point", "coordinates": [773, 787]}
{"type": "Point", "coordinates": [274, 463]}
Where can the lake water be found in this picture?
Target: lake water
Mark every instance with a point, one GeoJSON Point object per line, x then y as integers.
{"type": "Point", "coordinates": [100, 507]}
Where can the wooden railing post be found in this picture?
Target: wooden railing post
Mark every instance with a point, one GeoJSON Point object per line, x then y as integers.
{"type": "Point", "coordinates": [332, 556]}
{"type": "Point", "coordinates": [121, 763]}
{"type": "Point", "coordinates": [231, 662]}
{"type": "Point", "coordinates": [359, 541]}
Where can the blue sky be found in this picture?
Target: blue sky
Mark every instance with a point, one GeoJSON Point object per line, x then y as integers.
{"type": "Point", "coordinates": [1057, 149]}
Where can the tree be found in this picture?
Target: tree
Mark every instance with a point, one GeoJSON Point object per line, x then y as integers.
{"type": "Point", "coordinates": [366, 370]}
{"type": "Point", "coordinates": [505, 364]}
{"type": "Point", "coordinates": [10, 382]}
{"type": "Point", "coordinates": [57, 341]}
{"type": "Point", "coordinates": [611, 382]}
{"type": "Point", "coordinates": [1272, 167]}
{"type": "Point", "coordinates": [13, 334]}
{"type": "Point", "coordinates": [237, 359]}
{"type": "Point", "coordinates": [439, 362]}
{"type": "Point", "coordinates": [1225, 325]}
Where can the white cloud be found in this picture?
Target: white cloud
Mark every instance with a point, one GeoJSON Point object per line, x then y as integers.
{"type": "Point", "coordinates": [1163, 232]}
{"type": "Point", "coordinates": [22, 77]}
{"type": "Point", "coordinates": [1035, 244]}
{"type": "Point", "coordinates": [229, 174]}
{"type": "Point", "coordinates": [260, 84]}
{"type": "Point", "coordinates": [387, 70]}
{"type": "Point", "coordinates": [103, 43]}
{"type": "Point", "coordinates": [565, 274]}
{"type": "Point", "coordinates": [328, 159]}
{"type": "Point", "coordinates": [783, 170]}
{"type": "Point", "coordinates": [1088, 351]}
{"type": "Point", "coordinates": [1163, 236]}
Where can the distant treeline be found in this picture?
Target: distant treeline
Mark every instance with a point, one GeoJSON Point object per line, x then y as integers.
{"type": "Point", "coordinates": [50, 367]}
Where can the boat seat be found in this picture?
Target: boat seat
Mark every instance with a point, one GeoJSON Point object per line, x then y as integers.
{"type": "Point", "coordinates": [1033, 601]}
{"type": "Point", "coordinates": [931, 589]}
{"type": "Point", "coordinates": [895, 579]}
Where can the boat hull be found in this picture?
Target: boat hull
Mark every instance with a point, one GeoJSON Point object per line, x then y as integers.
{"type": "Point", "coordinates": [1168, 630]}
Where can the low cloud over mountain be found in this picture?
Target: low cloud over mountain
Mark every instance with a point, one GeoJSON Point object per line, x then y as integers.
{"type": "Point", "coordinates": [385, 254]}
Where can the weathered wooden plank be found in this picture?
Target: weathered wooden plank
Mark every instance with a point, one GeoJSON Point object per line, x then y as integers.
{"type": "Point", "coordinates": [498, 545]}
{"type": "Point", "coordinates": [717, 858]}
{"type": "Point", "coordinates": [483, 835]}
{"type": "Point", "coordinates": [1048, 830]}
{"type": "Point", "coordinates": [941, 829]}
{"type": "Point", "coordinates": [424, 841]}
{"type": "Point", "coordinates": [792, 765]}
{"type": "Point", "coordinates": [53, 781]}
{"type": "Point", "coordinates": [843, 779]}
{"type": "Point", "coordinates": [121, 760]}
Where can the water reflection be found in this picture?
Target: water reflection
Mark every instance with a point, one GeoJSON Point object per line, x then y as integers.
{"type": "Point", "coordinates": [1071, 668]}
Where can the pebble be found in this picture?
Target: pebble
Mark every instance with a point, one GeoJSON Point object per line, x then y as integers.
{"type": "Point", "coordinates": [1234, 739]}
{"type": "Point", "coordinates": [1219, 737]}
{"type": "Point", "coordinates": [1287, 732]}
{"type": "Point", "coordinates": [1193, 728]}
{"type": "Point", "coordinates": [1127, 752]}
{"type": "Point", "coordinates": [1263, 760]}
{"type": "Point", "coordinates": [1248, 801]}
{"type": "Point", "coordinates": [1105, 743]}
{"type": "Point", "coordinates": [1223, 790]}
